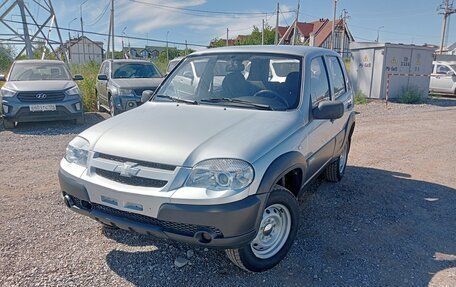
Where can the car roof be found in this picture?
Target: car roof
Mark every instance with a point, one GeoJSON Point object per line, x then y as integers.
{"type": "Point", "coordinates": [269, 49]}
{"type": "Point", "coordinates": [128, 61]}
{"type": "Point", "coordinates": [34, 61]}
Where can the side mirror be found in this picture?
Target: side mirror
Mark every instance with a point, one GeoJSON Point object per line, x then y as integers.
{"type": "Point", "coordinates": [102, 77]}
{"type": "Point", "coordinates": [450, 73]}
{"type": "Point", "coordinates": [78, 78]}
{"type": "Point", "coordinates": [2, 78]}
{"type": "Point", "coordinates": [328, 110]}
{"type": "Point", "coordinates": [146, 95]}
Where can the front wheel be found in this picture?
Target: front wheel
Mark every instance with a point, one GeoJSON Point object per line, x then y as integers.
{"type": "Point", "coordinates": [278, 228]}
{"type": "Point", "coordinates": [112, 107]}
{"type": "Point", "coordinates": [9, 124]}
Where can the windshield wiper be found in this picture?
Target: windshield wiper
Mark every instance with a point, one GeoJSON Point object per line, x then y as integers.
{"type": "Point", "coordinates": [178, 100]}
{"type": "Point", "coordinates": [237, 101]}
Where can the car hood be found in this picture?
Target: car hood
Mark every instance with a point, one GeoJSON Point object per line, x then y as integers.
{"type": "Point", "coordinates": [31, 86]}
{"type": "Point", "coordinates": [183, 135]}
{"type": "Point", "coordinates": [133, 83]}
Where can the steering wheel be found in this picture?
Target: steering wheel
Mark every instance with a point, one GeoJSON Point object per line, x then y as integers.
{"type": "Point", "coordinates": [271, 95]}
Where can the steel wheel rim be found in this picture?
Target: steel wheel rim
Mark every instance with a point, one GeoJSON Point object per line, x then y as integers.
{"type": "Point", "coordinates": [274, 230]}
{"type": "Point", "coordinates": [343, 159]}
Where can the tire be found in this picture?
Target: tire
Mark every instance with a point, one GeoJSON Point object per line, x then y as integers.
{"type": "Point", "coordinates": [9, 124]}
{"type": "Point", "coordinates": [80, 120]}
{"type": "Point", "coordinates": [282, 209]}
{"type": "Point", "coordinates": [112, 107]}
{"type": "Point", "coordinates": [99, 108]}
{"type": "Point", "coordinates": [336, 170]}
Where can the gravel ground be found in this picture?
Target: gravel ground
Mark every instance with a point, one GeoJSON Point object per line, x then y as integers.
{"type": "Point", "coordinates": [390, 222]}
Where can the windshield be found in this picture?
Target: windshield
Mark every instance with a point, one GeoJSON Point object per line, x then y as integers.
{"type": "Point", "coordinates": [243, 80]}
{"type": "Point", "coordinates": [283, 68]}
{"type": "Point", "coordinates": [134, 70]}
{"type": "Point", "coordinates": [27, 71]}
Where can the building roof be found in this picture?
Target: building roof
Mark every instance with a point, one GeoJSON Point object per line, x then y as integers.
{"type": "Point", "coordinates": [321, 29]}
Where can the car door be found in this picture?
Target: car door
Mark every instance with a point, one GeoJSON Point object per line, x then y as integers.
{"type": "Point", "coordinates": [441, 82]}
{"type": "Point", "coordinates": [320, 136]}
{"type": "Point", "coordinates": [340, 91]}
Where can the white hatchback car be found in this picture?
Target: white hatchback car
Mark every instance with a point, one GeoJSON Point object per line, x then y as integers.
{"type": "Point", "coordinates": [443, 78]}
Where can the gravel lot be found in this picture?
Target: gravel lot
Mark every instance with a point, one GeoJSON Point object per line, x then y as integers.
{"type": "Point", "coordinates": [390, 222]}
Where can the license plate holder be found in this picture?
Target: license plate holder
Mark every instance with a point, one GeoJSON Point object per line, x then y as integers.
{"type": "Point", "coordinates": [42, 108]}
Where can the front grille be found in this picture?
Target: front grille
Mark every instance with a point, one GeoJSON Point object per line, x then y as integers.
{"type": "Point", "coordinates": [46, 97]}
{"type": "Point", "coordinates": [173, 227]}
{"type": "Point", "coordinates": [139, 92]}
{"type": "Point", "coordinates": [134, 180]}
{"type": "Point", "coordinates": [139, 162]}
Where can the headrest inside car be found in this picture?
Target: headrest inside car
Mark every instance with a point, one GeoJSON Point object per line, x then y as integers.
{"type": "Point", "coordinates": [235, 67]}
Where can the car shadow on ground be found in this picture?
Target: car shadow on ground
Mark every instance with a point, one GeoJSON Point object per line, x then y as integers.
{"type": "Point", "coordinates": [442, 101]}
{"type": "Point", "coordinates": [52, 128]}
{"type": "Point", "coordinates": [375, 227]}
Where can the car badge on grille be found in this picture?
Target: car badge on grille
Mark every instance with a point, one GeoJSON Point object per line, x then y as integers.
{"type": "Point", "coordinates": [41, 96]}
{"type": "Point", "coordinates": [127, 169]}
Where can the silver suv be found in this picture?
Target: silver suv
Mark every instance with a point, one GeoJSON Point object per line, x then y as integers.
{"type": "Point", "coordinates": [120, 84]}
{"type": "Point", "coordinates": [221, 164]}
{"type": "Point", "coordinates": [40, 90]}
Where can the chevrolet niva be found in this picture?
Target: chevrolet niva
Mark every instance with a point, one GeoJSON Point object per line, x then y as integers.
{"type": "Point", "coordinates": [223, 163]}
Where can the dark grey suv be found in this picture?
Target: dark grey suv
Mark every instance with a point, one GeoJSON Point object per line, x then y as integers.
{"type": "Point", "coordinates": [121, 82]}
{"type": "Point", "coordinates": [40, 90]}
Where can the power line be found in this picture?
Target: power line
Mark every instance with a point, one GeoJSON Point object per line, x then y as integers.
{"type": "Point", "coordinates": [98, 19]}
{"type": "Point", "coordinates": [203, 11]}
{"type": "Point", "coordinates": [127, 37]}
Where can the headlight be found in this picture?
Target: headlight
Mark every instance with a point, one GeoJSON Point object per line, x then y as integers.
{"type": "Point", "coordinates": [77, 151]}
{"type": "Point", "coordinates": [73, 91]}
{"type": "Point", "coordinates": [122, 91]}
{"type": "Point", "coordinates": [7, 92]}
{"type": "Point", "coordinates": [221, 174]}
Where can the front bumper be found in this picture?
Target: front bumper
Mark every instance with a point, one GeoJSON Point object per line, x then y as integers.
{"type": "Point", "coordinates": [227, 225]}
{"type": "Point", "coordinates": [69, 109]}
{"type": "Point", "coordinates": [125, 103]}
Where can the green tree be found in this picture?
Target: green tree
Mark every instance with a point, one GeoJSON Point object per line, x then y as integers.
{"type": "Point", "coordinates": [217, 43]}
{"type": "Point", "coordinates": [255, 37]}
{"type": "Point", "coordinates": [6, 57]}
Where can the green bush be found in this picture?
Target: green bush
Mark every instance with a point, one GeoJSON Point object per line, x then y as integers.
{"type": "Point", "coordinates": [411, 95]}
{"type": "Point", "coordinates": [87, 86]}
{"type": "Point", "coordinates": [360, 98]}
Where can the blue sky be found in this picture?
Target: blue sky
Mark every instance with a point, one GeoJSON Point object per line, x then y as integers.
{"type": "Point", "coordinates": [404, 21]}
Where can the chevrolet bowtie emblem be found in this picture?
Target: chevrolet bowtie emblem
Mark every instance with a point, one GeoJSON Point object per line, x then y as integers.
{"type": "Point", "coordinates": [127, 169]}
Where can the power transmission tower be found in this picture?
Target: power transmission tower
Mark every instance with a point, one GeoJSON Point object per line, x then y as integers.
{"type": "Point", "coordinates": [446, 9]}
{"type": "Point", "coordinates": [25, 39]}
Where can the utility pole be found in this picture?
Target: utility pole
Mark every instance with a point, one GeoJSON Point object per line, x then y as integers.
{"type": "Point", "coordinates": [447, 10]}
{"type": "Point", "coordinates": [226, 44]}
{"type": "Point", "coordinates": [167, 53]}
{"type": "Point", "coordinates": [112, 28]}
{"type": "Point", "coordinates": [333, 36]}
{"type": "Point", "coordinates": [186, 48]}
{"type": "Point", "coordinates": [262, 33]}
{"type": "Point", "coordinates": [295, 25]}
{"type": "Point", "coordinates": [276, 39]}
{"type": "Point", "coordinates": [344, 18]}
{"type": "Point", "coordinates": [82, 32]}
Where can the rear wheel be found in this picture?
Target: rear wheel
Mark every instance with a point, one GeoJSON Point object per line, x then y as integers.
{"type": "Point", "coordinates": [275, 236]}
{"type": "Point", "coordinates": [9, 124]}
{"type": "Point", "coordinates": [335, 171]}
